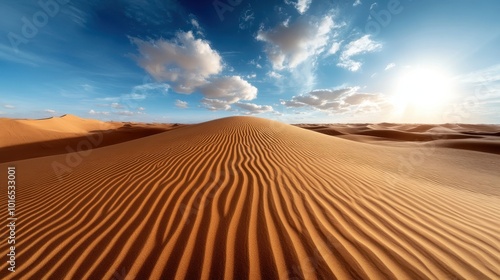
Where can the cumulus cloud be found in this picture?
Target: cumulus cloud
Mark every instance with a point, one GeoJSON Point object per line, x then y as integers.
{"type": "Point", "coordinates": [359, 98]}
{"type": "Point", "coordinates": [389, 66]}
{"type": "Point", "coordinates": [357, 47]}
{"type": "Point", "coordinates": [220, 93]}
{"type": "Point", "coordinates": [356, 3]}
{"type": "Point", "coordinates": [288, 45]}
{"type": "Point", "coordinates": [181, 104]}
{"type": "Point", "coordinates": [251, 108]}
{"type": "Point", "coordinates": [215, 104]}
{"type": "Point", "coordinates": [321, 99]}
{"type": "Point", "coordinates": [188, 64]}
{"type": "Point", "coordinates": [184, 61]}
{"type": "Point", "coordinates": [336, 100]}
{"type": "Point", "coordinates": [229, 89]}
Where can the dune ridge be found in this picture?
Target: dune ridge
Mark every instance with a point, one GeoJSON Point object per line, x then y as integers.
{"type": "Point", "coordinates": [248, 198]}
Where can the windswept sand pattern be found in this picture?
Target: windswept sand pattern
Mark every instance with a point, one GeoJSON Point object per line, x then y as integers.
{"type": "Point", "coordinates": [248, 198]}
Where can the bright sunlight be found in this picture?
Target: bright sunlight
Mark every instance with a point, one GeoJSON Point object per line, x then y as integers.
{"type": "Point", "coordinates": [423, 90]}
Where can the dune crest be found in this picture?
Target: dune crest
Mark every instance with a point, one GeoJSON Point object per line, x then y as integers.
{"type": "Point", "coordinates": [249, 198]}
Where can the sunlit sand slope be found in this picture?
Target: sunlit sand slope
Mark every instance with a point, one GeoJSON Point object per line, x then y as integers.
{"type": "Point", "coordinates": [242, 197]}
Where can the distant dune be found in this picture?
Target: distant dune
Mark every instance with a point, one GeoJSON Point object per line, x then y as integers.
{"type": "Point", "coordinates": [24, 139]}
{"type": "Point", "coordinates": [483, 138]}
{"type": "Point", "coordinates": [250, 198]}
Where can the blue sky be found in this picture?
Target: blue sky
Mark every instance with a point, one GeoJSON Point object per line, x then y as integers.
{"type": "Point", "coordinates": [290, 60]}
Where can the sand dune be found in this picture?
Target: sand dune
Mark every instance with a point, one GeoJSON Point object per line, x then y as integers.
{"type": "Point", "coordinates": [24, 139]}
{"type": "Point", "coordinates": [482, 138]}
{"type": "Point", "coordinates": [16, 132]}
{"type": "Point", "coordinates": [249, 198]}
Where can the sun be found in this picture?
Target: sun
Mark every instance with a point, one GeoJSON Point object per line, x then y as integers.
{"type": "Point", "coordinates": [422, 90]}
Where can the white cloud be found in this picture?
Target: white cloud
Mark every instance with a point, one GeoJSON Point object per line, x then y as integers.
{"type": "Point", "coordinates": [8, 106]}
{"type": "Point", "coordinates": [93, 112]}
{"type": "Point", "coordinates": [334, 48]}
{"type": "Point", "coordinates": [274, 75]}
{"type": "Point", "coordinates": [356, 3]}
{"type": "Point", "coordinates": [195, 23]}
{"type": "Point", "coordinates": [301, 5]}
{"type": "Point", "coordinates": [289, 46]}
{"type": "Point", "coordinates": [350, 65]}
{"type": "Point", "coordinates": [246, 19]}
{"type": "Point", "coordinates": [184, 61]}
{"type": "Point", "coordinates": [181, 104]}
{"type": "Point", "coordinates": [161, 87]}
{"type": "Point", "coordinates": [359, 98]}
{"type": "Point", "coordinates": [389, 66]}
{"type": "Point", "coordinates": [251, 76]}
{"type": "Point", "coordinates": [50, 111]}
{"type": "Point", "coordinates": [134, 96]}
{"type": "Point", "coordinates": [372, 6]}
{"type": "Point", "coordinates": [324, 99]}
{"type": "Point", "coordinates": [254, 62]}
{"type": "Point", "coordinates": [230, 89]}
{"type": "Point", "coordinates": [357, 47]}
{"type": "Point", "coordinates": [251, 108]}
{"type": "Point", "coordinates": [215, 104]}
{"type": "Point", "coordinates": [336, 100]}
{"type": "Point", "coordinates": [116, 105]}
{"type": "Point", "coordinates": [188, 64]}
{"type": "Point", "coordinates": [124, 113]}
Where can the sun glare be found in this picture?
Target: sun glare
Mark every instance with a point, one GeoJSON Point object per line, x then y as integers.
{"type": "Point", "coordinates": [423, 90]}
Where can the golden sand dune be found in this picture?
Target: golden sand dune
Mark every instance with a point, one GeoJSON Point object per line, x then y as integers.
{"type": "Point", "coordinates": [483, 138]}
{"type": "Point", "coordinates": [24, 139]}
{"type": "Point", "coordinates": [248, 198]}
{"type": "Point", "coordinates": [16, 132]}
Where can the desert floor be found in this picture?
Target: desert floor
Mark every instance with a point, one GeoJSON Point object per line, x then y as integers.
{"type": "Point", "coordinates": [250, 198]}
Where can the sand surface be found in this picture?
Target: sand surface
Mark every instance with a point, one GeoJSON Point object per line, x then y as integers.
{"type": "Point", "coordinates": [249, 198]}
